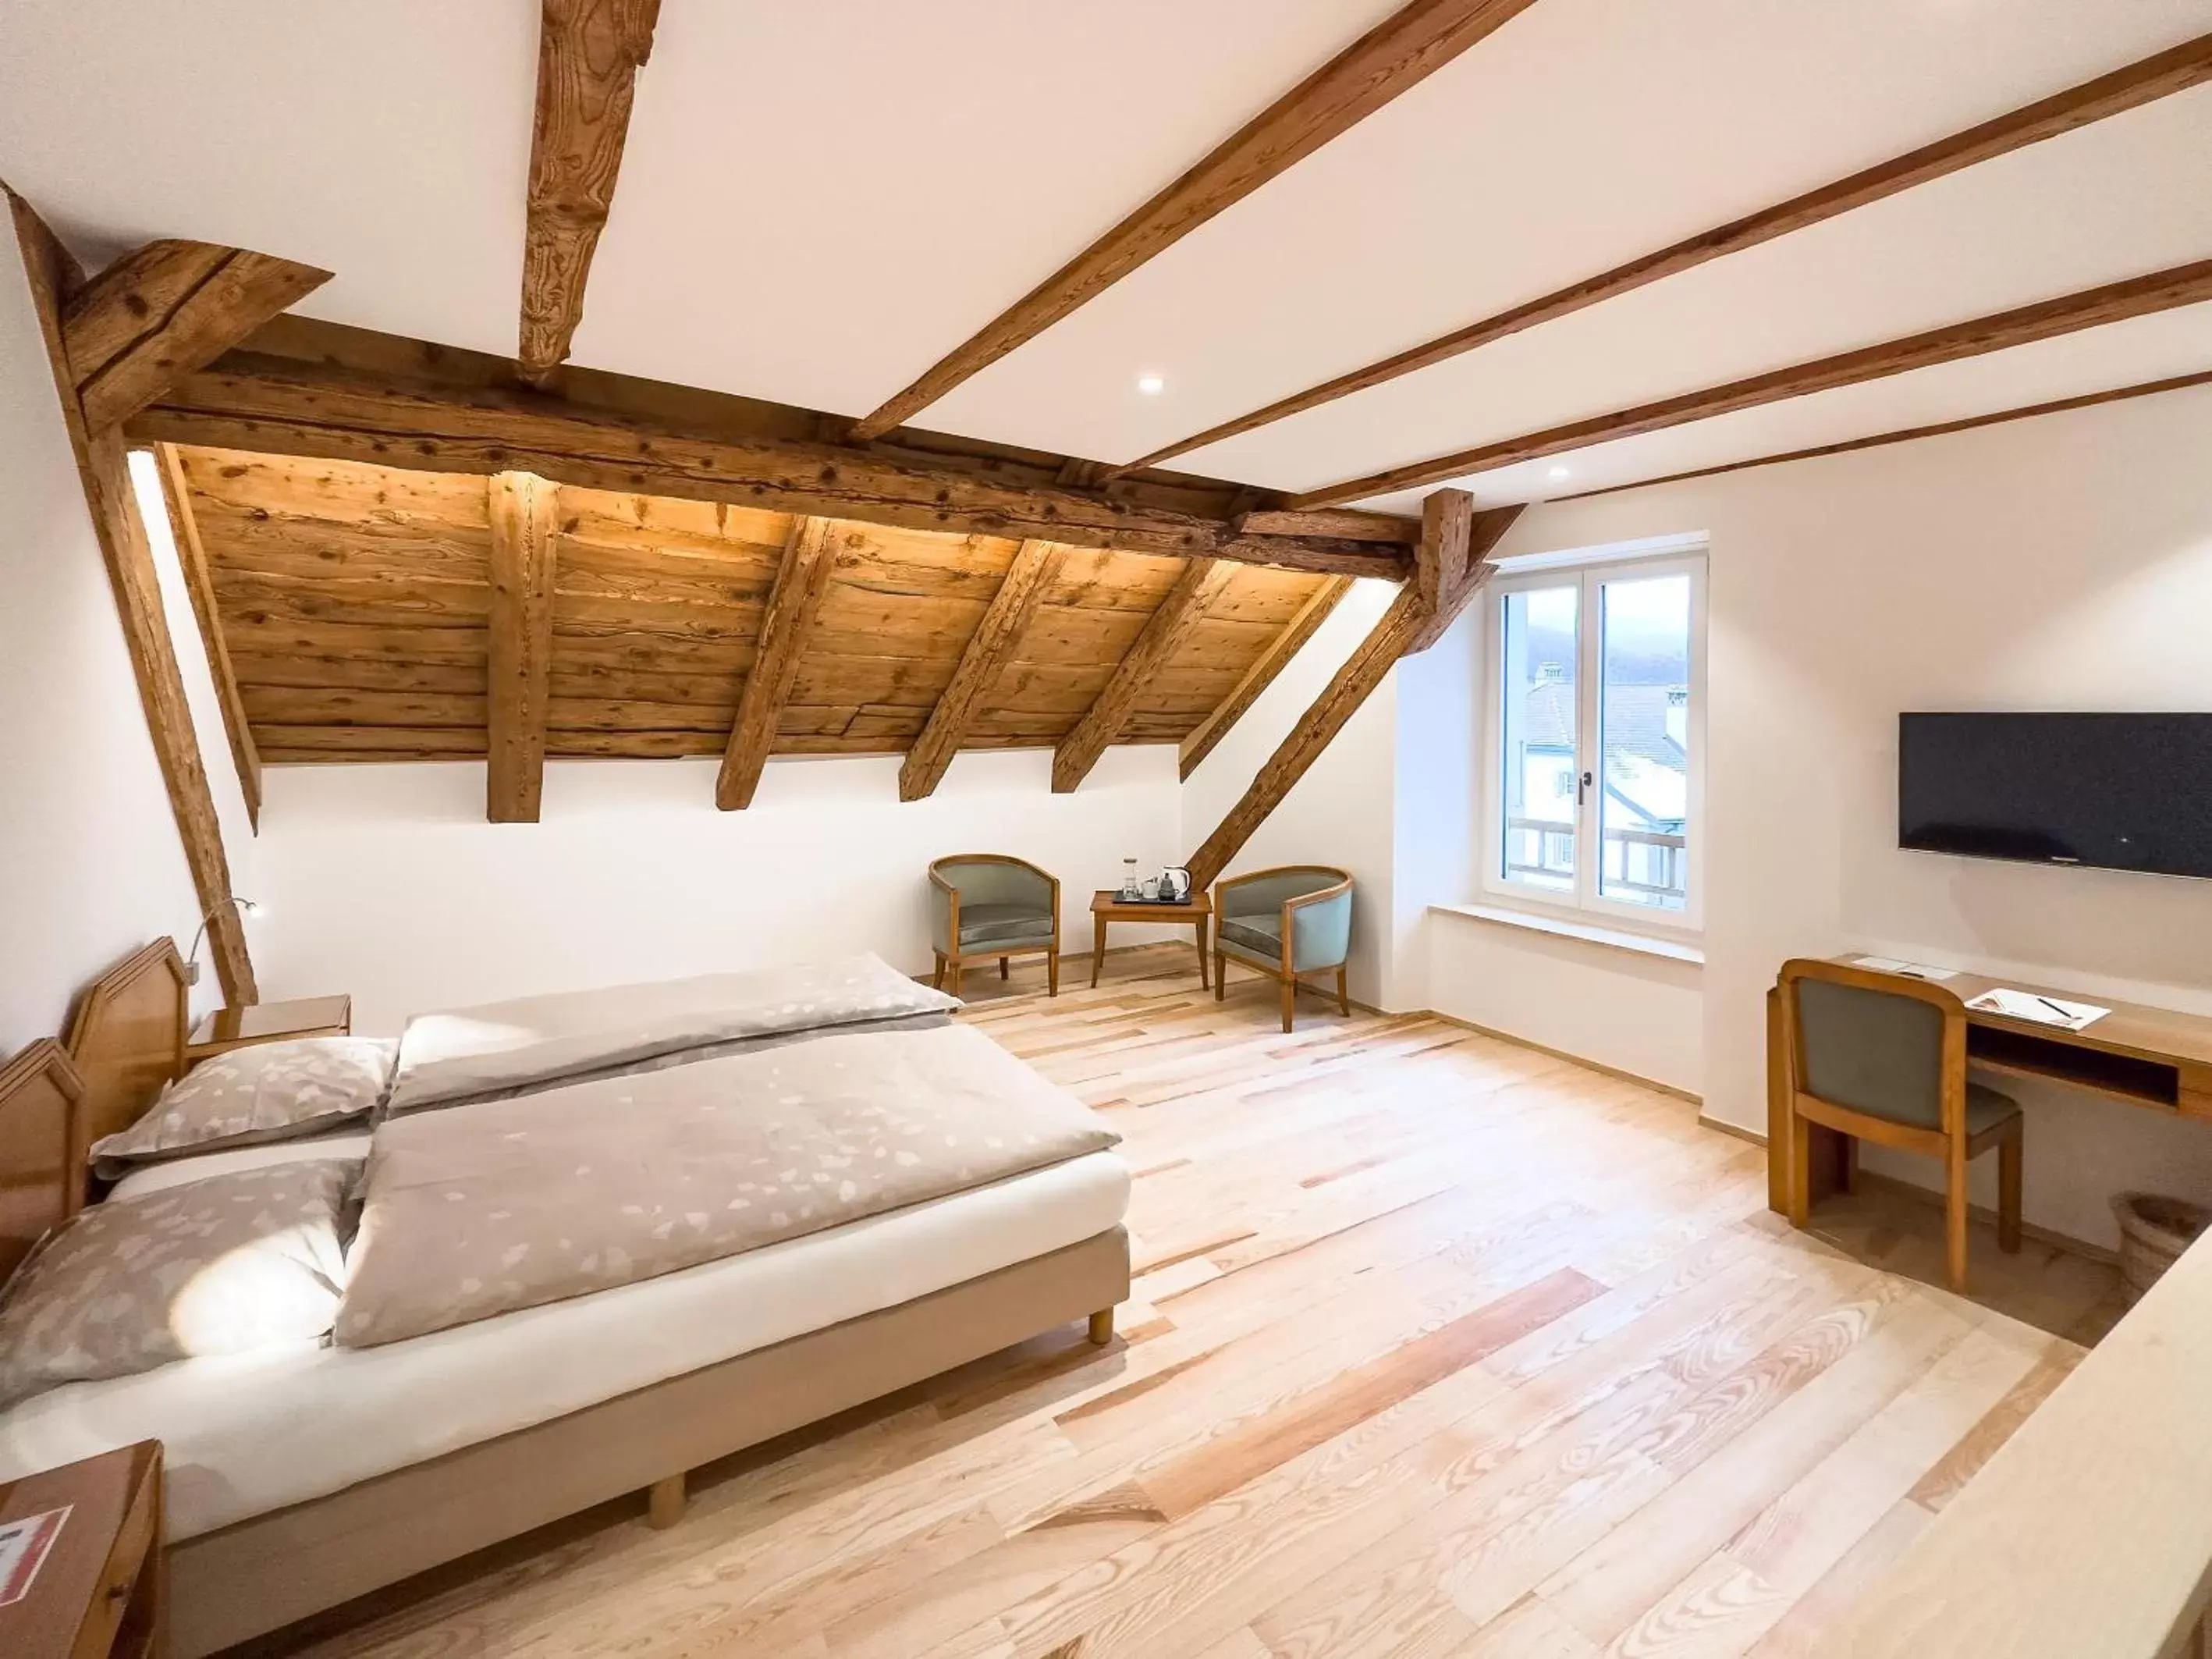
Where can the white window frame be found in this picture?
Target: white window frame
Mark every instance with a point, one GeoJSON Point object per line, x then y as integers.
{"type": "Point", "coordinates": [1589, 574]}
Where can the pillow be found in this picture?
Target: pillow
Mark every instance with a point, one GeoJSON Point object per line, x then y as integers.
{"type": "Point", "coordinates": [239, 1262]}
{"type": "Point", "coordinates": [272, 1091]}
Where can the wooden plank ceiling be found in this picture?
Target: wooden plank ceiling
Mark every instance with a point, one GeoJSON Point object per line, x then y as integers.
{"type": "Point", "coordinates": [355, 601]}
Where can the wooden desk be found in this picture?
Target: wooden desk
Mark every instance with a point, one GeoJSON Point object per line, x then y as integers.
{"type": "Point", "coordinates": [2156, 1058]}
{"type": "Point", "coordinates": [1107, 905]}
{"type": "Point", "coordinates": [269, 1022]}
{"type": "Point", "coordinates": [99, 1589]}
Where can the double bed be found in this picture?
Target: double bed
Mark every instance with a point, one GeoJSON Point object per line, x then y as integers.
{"type": "Point", "coordinates": [302, 1475]}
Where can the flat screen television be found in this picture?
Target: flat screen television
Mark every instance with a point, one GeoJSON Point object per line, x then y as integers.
{"type": "Point", "coordinates": [2118, 792]}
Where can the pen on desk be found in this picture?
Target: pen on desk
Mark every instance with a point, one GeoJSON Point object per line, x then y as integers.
{"type": "Point", "coordinates": [2054, 1007]}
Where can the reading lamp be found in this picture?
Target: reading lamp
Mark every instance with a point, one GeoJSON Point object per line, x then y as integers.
{"type": "Point", "coordinates": [244, 906]}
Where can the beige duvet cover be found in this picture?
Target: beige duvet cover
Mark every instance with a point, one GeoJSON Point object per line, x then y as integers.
{"type": "Point", "coordinates": [514, 1203]}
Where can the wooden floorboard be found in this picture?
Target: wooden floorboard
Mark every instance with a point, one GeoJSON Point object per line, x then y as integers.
{"type": "Point", "coordinates": [1437, 1345]}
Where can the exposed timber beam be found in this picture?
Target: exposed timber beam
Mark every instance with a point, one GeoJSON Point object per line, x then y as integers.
{"type": "Point", "coordinates": [199, 583]}
{"type": "Point", "coordinates": [808, 559]}
{"type": "Point", "coordinates": [525, 513]}
{"type": "Point", "coordinates": [333, 393]}
{"type": "Point", "coordinates": [2113, 302]}
{"type": "Point", "coordinates": [1169, 625]}
{"type": "Point", "coordinates": [2152, 78]}
{"type": "Point", "coordinates": [982, 660]}
{"type": "Point", "coordinates": [1261, 675]}
{"type": "Point", "coordinates": [1409, 625]}
{"type": "Point", "coordinates": [172, 307]}
{"type": "Point", "coordinates": [1396, 55]}
{"type": "Point", "coordinates": [103, 469]}
{"type": "Point", "coordinates": [1967, 423]}
{"type": "Point", "coordinates": [589, 52]}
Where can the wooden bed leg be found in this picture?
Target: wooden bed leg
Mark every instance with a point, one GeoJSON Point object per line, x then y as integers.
{"type": "Point", "coordinates": [1102, 1327]}
{"type": "Point", "coordinates": [665, 1501]}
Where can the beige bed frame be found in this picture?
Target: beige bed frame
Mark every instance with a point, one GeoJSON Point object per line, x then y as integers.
{"type": "Point", "coordinates": [256, 1576]}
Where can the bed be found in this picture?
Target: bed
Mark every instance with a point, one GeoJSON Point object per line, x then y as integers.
{"type": "Point", "coordinates": [301, 1477]}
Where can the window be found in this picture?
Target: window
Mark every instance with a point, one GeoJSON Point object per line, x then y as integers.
{"type": "Point", "coordinates": [1596, 699]}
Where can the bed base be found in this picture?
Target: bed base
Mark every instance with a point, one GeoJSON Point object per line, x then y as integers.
{"type": "Point", "coordinates": [258, 1575]}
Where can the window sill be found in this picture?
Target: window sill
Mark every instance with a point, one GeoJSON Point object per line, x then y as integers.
{"type": "Point", "coordinates": [1644, 944]}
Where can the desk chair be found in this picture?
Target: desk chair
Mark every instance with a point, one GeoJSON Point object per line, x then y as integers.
{"type": "Point", "coordinates": [1285, 922]}
{"type": "Point", "coordinates": [990, 904]}
{"type": "Point", "coordinates": [1882, 1057]}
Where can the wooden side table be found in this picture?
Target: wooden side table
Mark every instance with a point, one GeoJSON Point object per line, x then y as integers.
{"type": "Point", "coordinates": [268, 1022]}
{"type": "Point", "coordinates": [1107, 905]}
{"type": "Point", "coordinates": [90, 1581]}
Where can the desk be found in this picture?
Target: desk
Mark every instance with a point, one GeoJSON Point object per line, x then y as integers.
{"type": "Point", "coordinates": [2156, 1058]}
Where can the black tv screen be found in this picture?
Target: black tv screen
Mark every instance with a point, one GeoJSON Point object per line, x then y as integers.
{"type": "Point", "coordinates": [2121, 791]}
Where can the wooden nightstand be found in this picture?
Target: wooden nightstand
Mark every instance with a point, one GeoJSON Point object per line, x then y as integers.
{"type": "Point", "coordinates": [268, 1022]}
{"type": "Point", "coordinates": [98, 1587]}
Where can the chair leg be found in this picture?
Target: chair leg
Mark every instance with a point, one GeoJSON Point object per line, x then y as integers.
{"type": "Point", "coordinates": [1955, 1217]}
{"type": "Point", "coordinates": [956, 976]}
{"type": "Point", "coordinates": [1343, 997]}
{"type": "Point", "coordinates": [1799, 1178]}
{"type": "Point", "coordinates": [1290, 999]}
{"type": "Point", "coordinates": [937, 979]}
{"type": "Point", "coordinates": [1052, 970]}
{"type": "Point", "coordinates": [2010, 1151]}
{"type": "Point", "coordinates": [1220, 971]}
{"type": "Point", "coordinates": [1847, 1173]}
{"type": "Point", "coordinates": [1003, 969]}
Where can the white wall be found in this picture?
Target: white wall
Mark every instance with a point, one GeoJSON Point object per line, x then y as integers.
{"type": "Point", "coordinates": [90, 866]}
{"type": "Point", "coordinates": [2057, 563]}
{"type": "Point", "coordinates": [386, 881]}
{"type": "Point", "coordinates": [1341, 813]}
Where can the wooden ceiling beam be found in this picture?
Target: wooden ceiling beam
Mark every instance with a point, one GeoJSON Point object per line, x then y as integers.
{"type": "Point", "coordinates": [103, 469]}
{"type": "Point", "coordinates": [1394, 57]}
{"type": "Point", "coordinates": [2185, 66]}
{"type": "Point", "coordinates": [1164, 633]}
{"type": "Point", "coordinates": [589, 52]}
{"type": "Point", "coordinates": [158, 313]}
{"type": "Point", "coordinates": [199, 583]}
{"type": "Point", "coordinates": [982, 660]}
{"type": "Point", "coordinates": [1966, 424]}
{"type": "Point", "coordinates": [809, 557]}
{"type": "Point", "coordinates": [525, 516]}
{"type": "Point", "coordinates": [2113, 302]}
{"type": "Point", "coordinates": [339, 394]}
{"type": "Point", "coordinates": [1411, 624]}
{"type": "Point", "coordinates": [1218, 723]}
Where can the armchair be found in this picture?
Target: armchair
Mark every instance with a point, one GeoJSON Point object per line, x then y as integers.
{"type": "Point", "coordinates": [1285, 922]}
{"type": "Point", "coordinates": [989, 904]}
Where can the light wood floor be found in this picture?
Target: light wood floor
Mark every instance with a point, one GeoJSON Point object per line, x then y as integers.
{"type": "Point", "coordinates": [1440, 1346]}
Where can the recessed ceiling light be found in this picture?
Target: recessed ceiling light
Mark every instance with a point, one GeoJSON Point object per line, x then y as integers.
{"type": "Point", "coordinates": [1558, 472]}
{"type": "Point", "coordinates": [1151, 385]}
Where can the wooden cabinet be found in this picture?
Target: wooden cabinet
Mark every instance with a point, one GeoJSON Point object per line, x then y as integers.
{"type": "Point", "coordinates": [90, 1585]}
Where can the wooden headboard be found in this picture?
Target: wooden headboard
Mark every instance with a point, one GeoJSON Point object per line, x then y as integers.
{"type": "Point", "coordinates": [42, 1146]}
{"type": "Point", "coordinates": [127, 1038]}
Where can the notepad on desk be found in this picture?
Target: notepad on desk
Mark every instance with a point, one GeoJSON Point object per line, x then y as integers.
{"type": "Point", "coordinates": [2038, 1010]}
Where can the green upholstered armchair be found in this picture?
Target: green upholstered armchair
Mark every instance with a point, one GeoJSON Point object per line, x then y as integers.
{"type": "Point", "coordinates": [986, 905]}
{"type": "Point", "coordinates": [1285, 923]}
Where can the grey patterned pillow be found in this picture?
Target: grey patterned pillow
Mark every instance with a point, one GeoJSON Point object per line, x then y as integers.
{"type": "Point", "coordinates": [273, 1091]}
{"type": "Point", "coordinates": [236, 1262]}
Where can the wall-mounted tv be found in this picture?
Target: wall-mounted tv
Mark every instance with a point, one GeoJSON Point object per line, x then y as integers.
{"type": "Point", "coordinates": [2120, 792]}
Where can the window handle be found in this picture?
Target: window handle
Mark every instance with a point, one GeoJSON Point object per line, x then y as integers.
{"type": "Point", "coordinates": [1582, 789]}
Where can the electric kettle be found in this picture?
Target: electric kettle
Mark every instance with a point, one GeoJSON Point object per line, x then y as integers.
{"type": "Point", "coordinates": [1175, 884]}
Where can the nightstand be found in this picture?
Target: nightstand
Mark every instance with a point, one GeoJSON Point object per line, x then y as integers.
{"type": "Point", "coordinates": [80, 1558]}
{"type": "Point", "coordinates": [268, 1022]}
